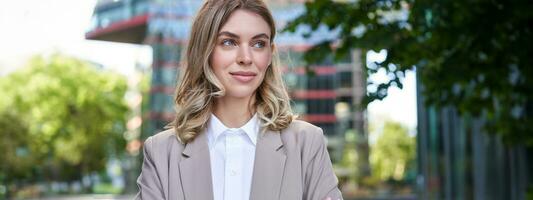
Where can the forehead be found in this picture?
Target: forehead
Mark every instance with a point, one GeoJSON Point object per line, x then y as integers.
{"type": "Point", "coordinates": [246, 23]}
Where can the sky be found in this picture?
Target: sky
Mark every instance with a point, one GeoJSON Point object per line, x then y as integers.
{"type": "Point", "coordinates": [31, 27]}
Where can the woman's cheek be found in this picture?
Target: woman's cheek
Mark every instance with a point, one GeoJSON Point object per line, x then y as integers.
{"type": "Point", "coordinates": [264, 61]}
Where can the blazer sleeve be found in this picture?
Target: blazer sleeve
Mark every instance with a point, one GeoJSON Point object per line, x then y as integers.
{"type": "Point", "coordinates": [321, 182]}
{"type": "Point", "coordinates": [148, 182]}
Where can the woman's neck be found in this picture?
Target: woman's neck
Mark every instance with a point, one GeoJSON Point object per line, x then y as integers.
{"type": "Point", "coordinates": [234, 112]}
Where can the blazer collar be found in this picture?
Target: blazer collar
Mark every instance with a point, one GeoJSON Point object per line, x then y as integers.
{"type": "Point", "coordinates": [195, 170]}
{"type": "Point", "coordinates": [269, 165]}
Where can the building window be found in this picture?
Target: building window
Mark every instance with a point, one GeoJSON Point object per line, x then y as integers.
{"type": "Point", "coordinates": [299, 107]}
{"type": "Point", "coordinates": [345, 79]}
{"type": "Point", "coordinates": [320, 106]}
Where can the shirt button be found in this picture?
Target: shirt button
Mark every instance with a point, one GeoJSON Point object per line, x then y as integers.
{"type": "Point", "coordinates": [233, 173]}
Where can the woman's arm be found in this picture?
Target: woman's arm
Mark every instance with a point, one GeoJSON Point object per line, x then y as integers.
{"type": "Point", "coordinates": [149, 182]}
{"type": "Point", "coordinates": [320, 180]}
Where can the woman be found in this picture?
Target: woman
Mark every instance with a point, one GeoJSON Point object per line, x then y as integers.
{"type": "Point", "coordinates": [234, 136]}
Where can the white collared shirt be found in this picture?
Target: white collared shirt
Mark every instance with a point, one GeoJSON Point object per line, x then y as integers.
{"type": "Point", "coordinates": [232, 154]}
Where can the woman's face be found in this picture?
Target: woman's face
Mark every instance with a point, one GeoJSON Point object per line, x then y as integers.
{"type": "Point", "coordinates": [242, 53]}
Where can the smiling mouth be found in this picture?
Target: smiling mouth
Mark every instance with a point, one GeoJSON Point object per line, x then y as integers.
{"type": "Point", "coordinates": [243, 77]}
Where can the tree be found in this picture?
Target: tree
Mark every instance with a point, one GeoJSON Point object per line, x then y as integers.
{"type": "Point", "coordinates": [17, 161]}
{"type": "Point", "coordinates": [393, 152]}
{"type": "Point", "coordinates": [473, 55]}
{"type": "Point", "coordinates": [66, 116]}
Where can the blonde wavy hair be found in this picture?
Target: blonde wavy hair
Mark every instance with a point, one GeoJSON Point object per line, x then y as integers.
{"type": "Point", "coordinates": [199, 86]}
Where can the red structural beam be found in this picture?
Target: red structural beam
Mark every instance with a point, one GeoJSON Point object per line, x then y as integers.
{"type": "Point", "coordinates": [118, 26]}
{"type": "Point", "coordinates": [162, 89]}
{"type": "Point", "coordinates": [167, 64]}
{"type": "Point", "coordinates": [319, 118]}
{"type": "Point", "coordinates": [313, 94]}
{"type": "Point", "coordinates": [165, 116]}
{"type": "Point", "coordinates": [318, 70]}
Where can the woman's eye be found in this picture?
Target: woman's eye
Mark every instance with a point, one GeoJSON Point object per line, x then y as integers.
{"type": "Point", "coordinates": [259, 44]}
{"type": "Point", "coordinates": [228, 42]}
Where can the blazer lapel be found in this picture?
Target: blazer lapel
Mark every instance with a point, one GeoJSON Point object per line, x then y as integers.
{"type": "Point", "coordinates": [195, 170]}
{"type": "Point", "coordinates": [269, 166]}
{"type": "Point", "coordinates": [174, 182]}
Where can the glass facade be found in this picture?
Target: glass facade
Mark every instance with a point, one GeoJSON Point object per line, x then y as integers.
{"type": "Point", "coordinates": [112, 11]}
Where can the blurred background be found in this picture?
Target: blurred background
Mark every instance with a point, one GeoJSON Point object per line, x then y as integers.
{"type": "Point", "coordinates": [418, 99]}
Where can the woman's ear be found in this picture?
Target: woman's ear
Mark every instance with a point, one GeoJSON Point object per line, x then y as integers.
{"type": "Point", "coordinates": [272, 50]}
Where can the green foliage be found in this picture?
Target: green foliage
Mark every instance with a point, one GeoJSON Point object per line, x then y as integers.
{"type": "Point", "coordinates": [474, 55]}
{"type": "Point", "coordinates": [350, 159]}
{"type": "Point", "coordinates": [393, 153]}
{"type": "Point", "coordinates": [17, 159]}
{"type": "Point", "coordinates": [106, 188]}
{"type": "Point", "coordinates": [61, 117]}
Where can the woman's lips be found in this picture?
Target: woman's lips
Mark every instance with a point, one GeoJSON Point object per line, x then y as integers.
{"type": "Point", "coordinates": [243, 77]}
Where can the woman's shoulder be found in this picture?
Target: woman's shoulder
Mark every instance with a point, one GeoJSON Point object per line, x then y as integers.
{"type": "Point", "coordinates": [303, 128]}
{"type": "Point", "coordinates": [163, 136]}
{"type": "Point", "coordinates": [302, 132]}
{"type": "Point", "coordinates": [162, 141]}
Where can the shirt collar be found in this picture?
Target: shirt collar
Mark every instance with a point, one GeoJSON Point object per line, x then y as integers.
{"type": "Point", "coordinates": [251, 128]}
{"type": "Point", "coordinates": [215, 128]}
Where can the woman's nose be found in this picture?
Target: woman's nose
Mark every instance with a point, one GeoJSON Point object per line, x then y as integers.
{"type": "Point", "coordinates": [244, 57]}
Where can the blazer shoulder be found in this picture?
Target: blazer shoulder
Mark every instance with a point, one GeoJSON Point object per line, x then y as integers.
{"type": "Point", "coordinates": [163, 141]}
{"type": "Point", "coordinates": [302, 133]}
{"type": "Point", "coordinates": [303, 128]}
{"type": "Point", "coordinates": [164, 136]}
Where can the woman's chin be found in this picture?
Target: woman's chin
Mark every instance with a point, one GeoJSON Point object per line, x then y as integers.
{"type": "Point", "coordinates": [239, 94]}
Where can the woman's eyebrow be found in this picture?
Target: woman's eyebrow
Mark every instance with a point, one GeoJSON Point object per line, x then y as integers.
{"type": "Point", "coordinates": [233, 35]}
{"type": "Point", "coordinates": [262, 35]}
{"type": "Point", "coordinates": [229, 34]}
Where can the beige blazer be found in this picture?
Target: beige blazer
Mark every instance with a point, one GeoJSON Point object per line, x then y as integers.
{"type": "Point", "coordinates": [290, 165]}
